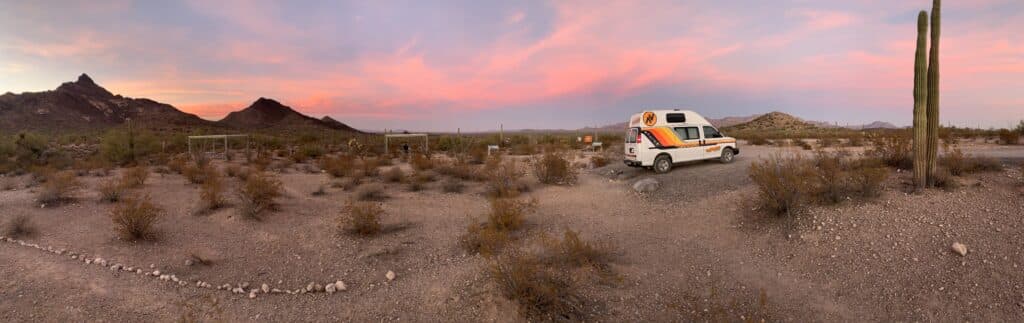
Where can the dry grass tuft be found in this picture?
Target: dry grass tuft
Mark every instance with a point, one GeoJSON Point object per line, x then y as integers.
{"type": "Point", "coordinates": [58, 187]}
{"type": "Point", "coordinates": [421, 162]}
{"type": "Point", "coordinates": [508, 214]}
{"type": "Point", "coordinates": [867, 179]}
{"type": "Point", "coordinates": [553, 168]}
{"type": "Point", "coordinates": [258, 194]}
{"type": "Point", "coordinates": [19, 226]}
{"type": "Point", "coordinates": [574, 251]}
{"type": "Point", "coordinates": [339, 166]}
{"type": "Point", "coordinates": [369, 167]}
{"type": "Point", "coordinates": [135, 218]}
{"type": "Point", "coordinates": [504, 179]}
{"type": "Point", "coordinates": [361, 218]}
{"type": "Point", "coordinates": [894, 151]}
{"type": "Point", "coordinates": [453, 185]}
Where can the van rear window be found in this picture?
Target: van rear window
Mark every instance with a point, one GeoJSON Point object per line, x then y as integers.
{"type": "Point", "coordinates": [675, 117]}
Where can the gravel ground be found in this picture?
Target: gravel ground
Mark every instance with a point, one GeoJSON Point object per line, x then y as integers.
{"type": "Point", "coordinates": [690, 245]}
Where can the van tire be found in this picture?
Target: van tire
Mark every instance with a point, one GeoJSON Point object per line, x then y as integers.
{"type": "Point", "coordinates": [662, 164]}
{"type": "Point", "coordinates": [727, 156]}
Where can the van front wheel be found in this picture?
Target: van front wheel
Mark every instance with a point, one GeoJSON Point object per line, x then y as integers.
{"type": "Point", "coordinates": [727, 156]}
{"type": "Point", "coordinates": [662, 164]}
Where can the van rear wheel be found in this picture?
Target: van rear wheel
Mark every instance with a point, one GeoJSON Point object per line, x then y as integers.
{"type": "Point", "coordinates": [727, 156]}
{"type": "Point", "coordinates": [662, 164]}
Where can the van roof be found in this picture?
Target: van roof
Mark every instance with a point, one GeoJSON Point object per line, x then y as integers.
{"type": "Point", "coordinates": [661, 119]}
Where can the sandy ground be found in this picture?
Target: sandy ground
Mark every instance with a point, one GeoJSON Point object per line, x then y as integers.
{"type": "Point", "coordinates": [884, 260]}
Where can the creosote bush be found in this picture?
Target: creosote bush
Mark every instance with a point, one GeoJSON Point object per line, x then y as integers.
{"type": "Point", "coordinates": [112, 190]}
{"type": "Point", "coordinates": [211, 193]}
{"type": "Point", "coordinates": [18, 226]}
{"type": "Point", "coordinates": [421, 162]}
{"type": "Point", "coordinates": [553, 168]}
{"type": "Point", "coordinates": [453, 185]}
{"type": "Point", "coordinates": [135, 218]}
{"type": "Point", "coordinates": [505, 216]}
{"type": "Point", "coordinates": [361, 218]}
{"type": "Point", "coordinates": [574, 251]}
{"type": "Point", "coordinates": [542, 293]}
{"type": "Point", "coordinates": [58, 187]}
{"type": "Point", "coordinates": [135, 177]}
{"type": "Point", "coordinates": [782, 183]}
{"type": "Point", "coordinates": [257, 194]}
{"type": "Point", "coordinates": [503, 178]}
{"type": "Point", "coordinates": [371, 192]}
{"type": "Point", "coordinates": [958, 163]}
{"type": "Point", "coordinates": [337, 166]}
{"type": "Point", "coordinates": [894, 151]}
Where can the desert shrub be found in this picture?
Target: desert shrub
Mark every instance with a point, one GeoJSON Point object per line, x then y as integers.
{"type": "Point", "coordinates": [477, 155]}
{"type": "Point", "coordinates": [211, 193]}
{"type": "Point", "coordinates": [831, 183]}
{"type": "Point", "coordinates": [523, 149]}
{"type": "Point", "coordinates": [781, 142]}
{"type": "Point", "coordinates": [483, 239]}
{"type": "Point", "coordinates": [122, 147]}
{"type": "Point", "coordinates": [855, 141]}
{"type": "Point", "coordinates": [58, 187]}
{"type": "Point", "coordinates": [135, 176]}
{"type": "Point", "coordinates": [18, 226]}
{"type": "Point", "coordinates": [782, 183]}
{"type": "Point", "coordinates": [177, 164]}
{"type": "Point", "coordinates": [421, 162]}
{"type": "Point", "coordinates": [371, 192]}
{"type": "Point", "coordinates": [306, 152]}
{"type": "Point", "coordinates": [135, 218]}
{"type": "Point", "coordinates": [361, 218]}
{"type": "Point", "coordinates": [574, 251]}
{"type": "Point", "coordinates": [232, 170]}
{"type": "Point", "coordinates": [503, 180]}
{"type": "Point", "coordinates": [598, 161]}
{"type": "Point", "coordinates": [257, 194]}
{"type": "Point", "coordinates": [394, 175]}
{"type": "Point", "coordinates": [337, 166]}
{"type": "Point", "coordinates": [802, 143]}
{"type": "Point", "coordinates": [958, 163]}
{"type": "Point", "coordinates": [424, 177]}
{"type": "Point", "coordinates": [195, 174]}
{"type": "Point", "coordinates": [415, 186]}
{"type": "Point", "coordinates": [112, 190]}
{"type": "Point", "coordinates": [460, 171]}
{"type": "Point", "coordinates": [553, 168]}
{"type": "Point", "coordinates": [983, 164]}
{"type": "Point", "coordinates": [507, 214]}
{"type": "Point", "coordinates": [828, 142]}
{"type": "Point", "coordinates": [1009, 137]}
{"type": "Point", "coordinates": [868, 179]}
{"type": "Point", "coordinates": [893, 151]}
{"type": "Point", "coordinates": [452, 185]}
{"type": "Point", "coordinates": [369, 167]}
{"type": "Point", "coordinates": [541, 293]}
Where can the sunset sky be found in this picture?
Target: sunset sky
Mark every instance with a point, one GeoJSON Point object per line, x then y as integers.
{"type": "Point", "coordinates": [438, 65]}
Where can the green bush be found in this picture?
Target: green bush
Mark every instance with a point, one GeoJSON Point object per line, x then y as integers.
{"type": "Point", "coordinates": [122, 147]}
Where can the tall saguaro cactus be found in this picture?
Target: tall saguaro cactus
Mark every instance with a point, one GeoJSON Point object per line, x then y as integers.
{"type": "Point", "coordinates": [921, 102]}
{"type": "Point", "coordinates": [933, 94]}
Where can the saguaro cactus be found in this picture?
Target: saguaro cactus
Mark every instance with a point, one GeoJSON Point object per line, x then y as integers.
{"type": "Point", "coordinates": [933, 94]}
{"type": "Point", "coordinates": [921, 102]}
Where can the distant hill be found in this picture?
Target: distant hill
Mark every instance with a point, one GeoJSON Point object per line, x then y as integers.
{"type": "Point", "coordinates": [84, 105]}
{"type": "Point", "coordinates": [773, 121]}
{"type": "Point", "coordinates": [878, 125]}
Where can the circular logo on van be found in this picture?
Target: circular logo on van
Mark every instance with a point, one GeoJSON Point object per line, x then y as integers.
{"type": "Point", "coordinates": [650, 118]}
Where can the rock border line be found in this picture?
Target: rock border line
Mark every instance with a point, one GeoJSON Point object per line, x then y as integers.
{"type": "Point", "coordinates": [240, 289]}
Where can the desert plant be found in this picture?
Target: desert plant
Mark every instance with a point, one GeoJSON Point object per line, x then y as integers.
{"type": "Point", "coordinates": [421, 162]}
{"type": "Point", "coordinates": [112, 190]}
{"type": "Point", "coordinates": [540, 292]}
{"type": "Point", "coordinates": [135, 218]}
{"type": "Point", "coordinates": [415, 186]}
{"type": "Point", "coordinates": [575, 251]}
{"type": "Point", "coordinates": [58, 187]}
{"type": "Point", "coordinates": [921, 103]}
{"type": "Point", "coordinates": [337, 166]}
{"type": "Point", "coordinates": [944, 180]}
{"type": "Point", "coordinates": [782, 183]}
{"type": "Point", "coordinates": [18, 226]}
{"type": "Point", "coordinates": [211, 193]}
{"type": "Point", "coordinates": [135, 177]}
{"type": "Point", "coordinates": [553, 168]}
{"type": "Point", "coordinates": [369, 167]}
{"type": "Point", "coordinates": [868, 179]}
{"type": "Point", "coordinates": [195, 174]}
{"type": "Point", "coordinates": [452, 185]}
{"type": "Point", "coordinates": [394, 175]}
{"type": "Point", "coordinates": [758, 141]}
{"type": "Point", "coordinates": [894, 151]}
{"type": "Point", "coordinates": [598, 161]}
{"type": "Point", "coordinates": [257, 194]}
{"type": "Point", "coordinates": [371, 192]}
{"type": "Point", "coordinates": [503, 179]}
{"type": "Point", "coordinates": [126, 146]}
{"type": "Point", "coordinates": [802, 143]}
{"type": "Point", "coordinates": [507, 214]}
{"type": "Point", "coordinates": [1008, 137]}
{"type": "Point", "coordinates": [831, 177]}
{"type": "Point", "coordinates": [361, 218]}
{"type": "Point", "coordinates": [932, 101]}
{"type": "Point", "coordinates": [483, 239]}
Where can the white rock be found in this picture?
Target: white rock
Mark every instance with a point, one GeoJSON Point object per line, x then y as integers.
{"type": "Point", "coordinates": [960, 249]}
{"type": "Point", "coordinates": [646, 185]}
{"type": "Point", "coordinates": [310, 287]}
{"type": "Point", "coordinates": [330, 288]}
{"type": "Point", "coordinates": [340, 285]}
{"type": "Point", "coordinates": [252, 294]}
{"type": "Point", "coordinates": [265, 288]}
{"type": "Point", "coordinates": [188, 262]}
{"type": "Point", "coordinates": [390, 275]}
{"type": "Point", "coordinates": [156, 273]}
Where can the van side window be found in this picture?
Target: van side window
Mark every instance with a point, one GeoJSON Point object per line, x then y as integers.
{"type": "Point", "coordinates": [675, 117]}
{"type": "Point", "coordinates": [631, 135]}
{"type": "Point", "coordinates": [687, 133]}
{"type": "Point", "coordinates": [711, 132]}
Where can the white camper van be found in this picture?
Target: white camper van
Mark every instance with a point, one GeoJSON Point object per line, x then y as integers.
{"type": "Point", "coordinates": [660, 138]}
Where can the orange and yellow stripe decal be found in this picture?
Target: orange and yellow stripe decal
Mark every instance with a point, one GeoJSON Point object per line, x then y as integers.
{"type": "Point", "coordinates": [668, 138]}
{"type": "Point", "coordinates": [719, 141]}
